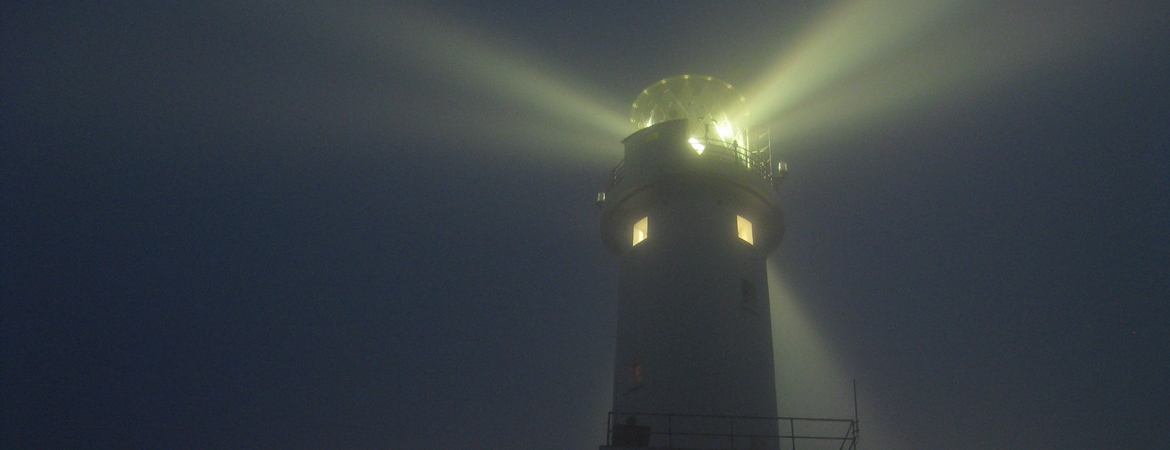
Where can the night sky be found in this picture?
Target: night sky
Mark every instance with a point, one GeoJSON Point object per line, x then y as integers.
{"type": "Point", "coordinates": [372, 225]}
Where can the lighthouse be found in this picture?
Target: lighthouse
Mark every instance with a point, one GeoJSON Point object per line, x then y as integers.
{"type": "Point", "coordinates": [690, 215]}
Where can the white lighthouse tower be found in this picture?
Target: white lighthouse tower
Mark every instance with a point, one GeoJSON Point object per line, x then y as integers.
{"type": "Point", "coordinates": [691, 215]}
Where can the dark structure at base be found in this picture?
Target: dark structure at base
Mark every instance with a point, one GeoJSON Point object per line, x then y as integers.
{"type": "Point", "coordinates": [691, 431]}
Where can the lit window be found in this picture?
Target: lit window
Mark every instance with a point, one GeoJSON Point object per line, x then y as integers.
{"type": "Point", "coordinates": [744, 228]}
{"type": "Point", "coordinates": [640, 230]}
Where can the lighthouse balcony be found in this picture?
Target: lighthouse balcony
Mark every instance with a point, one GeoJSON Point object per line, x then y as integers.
{"type": "Point", "coordinates": [693, 431]}
{"type": "Point", "coordinates": [715, 151]}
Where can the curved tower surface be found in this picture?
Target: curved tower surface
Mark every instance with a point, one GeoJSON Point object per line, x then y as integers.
{"type": "Point", "coordinates": [691, 215]}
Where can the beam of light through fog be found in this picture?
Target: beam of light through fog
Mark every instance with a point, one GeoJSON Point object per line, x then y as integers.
{"type": "Point", "coordinates": [810, 379]}
{"type": "Point", "coordinates": [555, 117]}
{"type": "Point", "coordinates": [868, 60]}
{"type": "Point", "coordinates": [849, 36]}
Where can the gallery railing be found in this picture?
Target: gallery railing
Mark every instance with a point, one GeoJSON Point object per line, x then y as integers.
{"type": "Point", "coordinates": [691, 431]}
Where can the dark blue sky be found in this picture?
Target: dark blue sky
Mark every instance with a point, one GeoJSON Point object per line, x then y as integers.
{"type": "Point", "coordinates": [252, 225]}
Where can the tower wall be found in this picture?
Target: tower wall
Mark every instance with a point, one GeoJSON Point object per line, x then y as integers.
{"type": "Point", "coordinates": [694, 328]}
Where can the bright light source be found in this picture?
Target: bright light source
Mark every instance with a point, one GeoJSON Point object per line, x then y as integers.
{"type": "Point", "coordinates": [698, 147]}
{"type": "Point", "coordinates": [640, 230]}
{"type": "Point", "coordinates": [744, 228]}
{"type": "Point", "coordinates": [724, 130]}
{"type": "Point", "coordinates": [704, 101]}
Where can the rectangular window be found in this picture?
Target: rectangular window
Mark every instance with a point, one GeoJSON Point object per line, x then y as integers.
{"type": "Point", "coordinates": [640, 230]}
{"type": "Point", "coordinates": [744, 228]}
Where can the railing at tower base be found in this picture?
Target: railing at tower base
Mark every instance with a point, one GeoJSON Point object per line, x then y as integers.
{"type": "Point", "coordinates": [693, 431]}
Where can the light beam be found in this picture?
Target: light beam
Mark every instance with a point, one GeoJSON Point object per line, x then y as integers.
{"type": "Point", "coordinates": [811, 380]}
{"type": "Point", "coordinates": [867, 61]}
{"type": "Point", "coordinates": [545, 113]}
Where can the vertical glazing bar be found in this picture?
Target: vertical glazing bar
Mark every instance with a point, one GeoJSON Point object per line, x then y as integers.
{"type": "Point", "coordinates": [792, 432]}
{"type": "Point", "coordinates": [609, 429]}
{"type": "Point", "coordinates": [856, 422]}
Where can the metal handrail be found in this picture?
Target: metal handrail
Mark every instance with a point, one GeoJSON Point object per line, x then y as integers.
{"type": "Point", "coordinates": [848, 439]}
{"type": "Point", "coordinates": [758, 162]}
